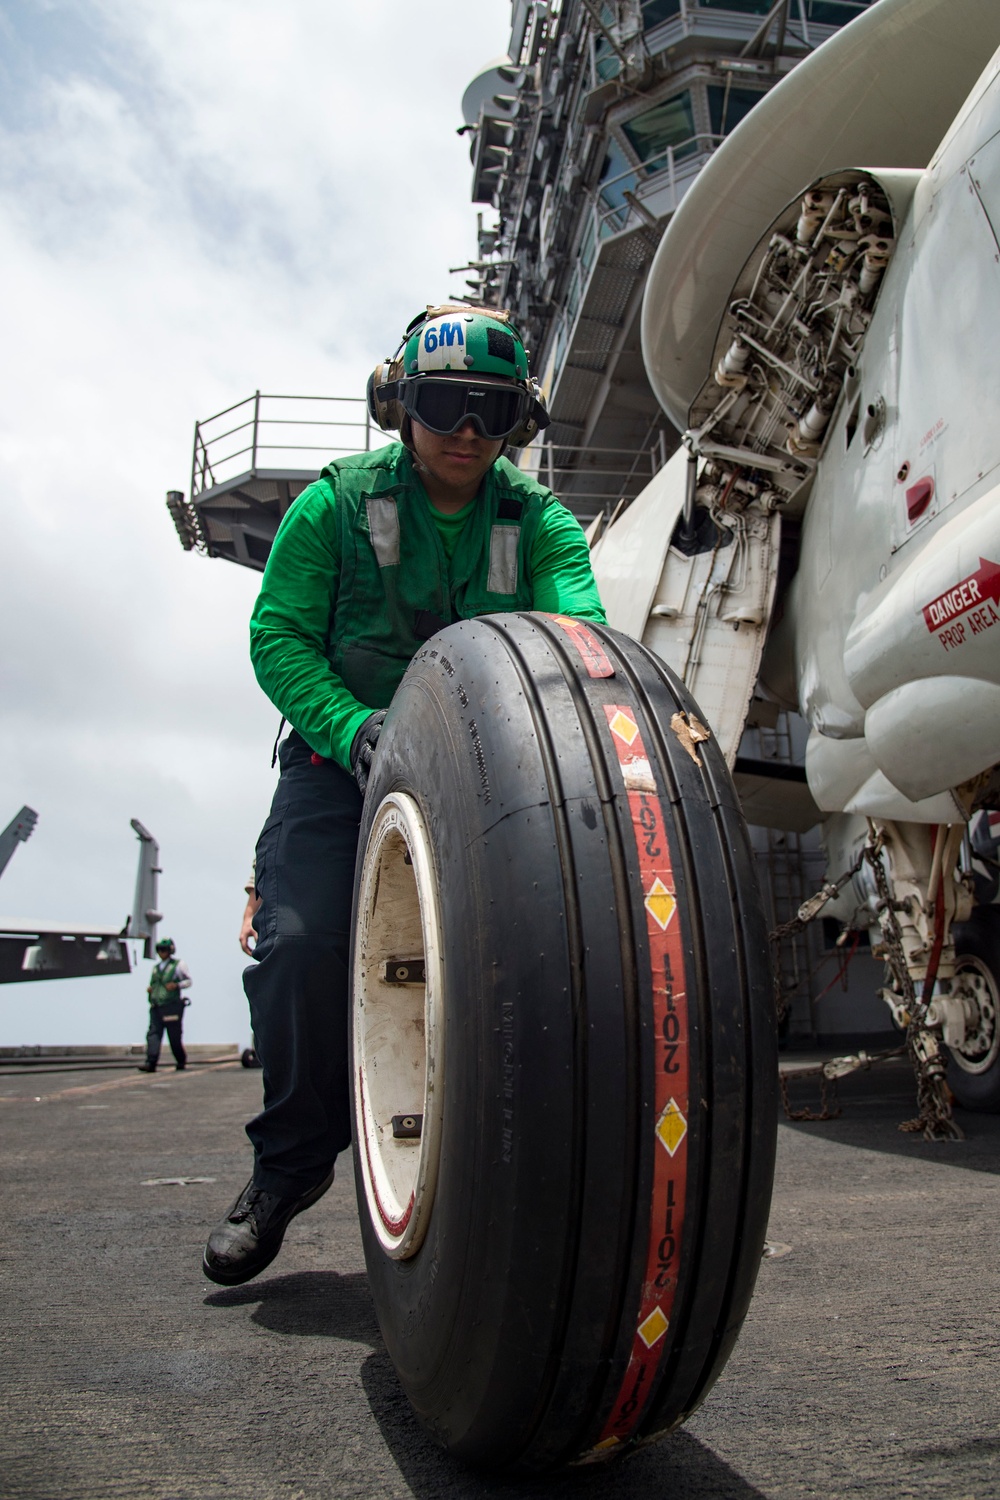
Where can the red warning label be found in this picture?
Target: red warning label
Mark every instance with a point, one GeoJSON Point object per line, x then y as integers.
{"type": "Point", "coordinates": [979, 590]}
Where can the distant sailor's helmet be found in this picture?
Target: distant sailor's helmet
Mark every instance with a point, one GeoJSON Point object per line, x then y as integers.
{"type": "Point", "coordinates": [457, 364]}
{"type": "Point", "coordinates": [165, 943]}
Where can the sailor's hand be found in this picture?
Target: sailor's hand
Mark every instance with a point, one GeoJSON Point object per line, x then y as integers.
{"type": "Point", "coordinates": [248, 932]}
{"type": "Point", "coordinates": [171, 985]}
{"type": "Point", "coordinates": [363, 748]}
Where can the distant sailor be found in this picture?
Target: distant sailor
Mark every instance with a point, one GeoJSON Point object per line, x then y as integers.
{"type": "Point", "coordinates": [384, 550]}
{"type": "Point", "coordinates": [166, 1006]}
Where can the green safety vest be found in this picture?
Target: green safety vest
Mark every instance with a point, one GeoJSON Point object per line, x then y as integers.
{"type": "Point", "coordinates": [159, 979]}
{"type": "Point", "coordinates": [396, 585]}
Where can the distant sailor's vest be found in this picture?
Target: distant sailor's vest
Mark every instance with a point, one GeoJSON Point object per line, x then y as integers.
{"type": "Point", "coordinates": [160, 978]}
{"type": "Point", "coordinates": [397, 586]}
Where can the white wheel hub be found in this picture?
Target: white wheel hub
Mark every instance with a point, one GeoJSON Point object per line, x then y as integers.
{"type": "Point", "coordinates": [977, 988]}
{"type": "Point", "coordinates": [398, 1023]}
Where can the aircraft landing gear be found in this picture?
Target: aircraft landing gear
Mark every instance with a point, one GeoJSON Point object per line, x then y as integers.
{"type": "Point", "coordinates": [918, 895]}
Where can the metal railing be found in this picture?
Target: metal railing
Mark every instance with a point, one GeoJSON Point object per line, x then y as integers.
{"type": "Point", "coordinates": [591, 478]}
{"type": "Point", "coordinates": [587, 476]}
{"type": "Point", "coordinates": [239, 447]}
{"type": "Point", "coordinates": [692, 153]}
{"type": "Point", "coordinates": [601, 220]}
{"type": "Point", "coordinates": [800, 12]}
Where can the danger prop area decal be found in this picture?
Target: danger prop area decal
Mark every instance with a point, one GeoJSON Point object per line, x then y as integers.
{"type": "Point", "coordinates": [669, 1122]}
{"type": "Point", "coordinates": [974, 599]}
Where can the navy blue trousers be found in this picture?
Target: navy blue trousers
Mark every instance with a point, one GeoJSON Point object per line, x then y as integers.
{"type": "Point", "coordinates": [158, 1024]}
{"type": "Point", "coordinates": [298, 985]}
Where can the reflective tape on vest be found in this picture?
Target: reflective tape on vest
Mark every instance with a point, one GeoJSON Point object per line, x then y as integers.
{"type": "Point", "coordinates": [502, 577]}
{"type": "Point", "coordinates": [383, 528]}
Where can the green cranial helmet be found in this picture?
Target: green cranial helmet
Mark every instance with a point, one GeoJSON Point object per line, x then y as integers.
{"type": "Point", "coordinates": [167, 943]}
{"type": "Point", "coordinates": [478, 349]}
{"type": "Point", "coordinates": [466, 341]}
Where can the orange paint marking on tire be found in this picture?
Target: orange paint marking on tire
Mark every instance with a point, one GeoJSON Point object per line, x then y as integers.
{"type": "Point", "coordinates": [671, 1090]}
{"type": "Point", "coordinates": [591, 651]}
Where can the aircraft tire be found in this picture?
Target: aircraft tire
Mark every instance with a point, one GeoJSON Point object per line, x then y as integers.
{"type": "Point", "coordinates": [564, 1051]}
{"type": "Point", "coordinates": [974, 1074]}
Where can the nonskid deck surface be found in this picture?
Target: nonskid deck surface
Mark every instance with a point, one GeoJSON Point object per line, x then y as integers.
{"type": "Point", "coordinates": [15, 1060]}
{"type": "Point", "coordinates": [867, 1365]}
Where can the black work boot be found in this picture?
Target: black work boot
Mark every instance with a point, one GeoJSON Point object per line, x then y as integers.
{"type": "Point", "coordinates": [146, 1067]}
{"type": "Point", "coordinates": [250, 1235]}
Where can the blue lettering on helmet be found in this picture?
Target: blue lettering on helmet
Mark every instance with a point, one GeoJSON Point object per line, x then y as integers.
{"type": "Point", "coordinates": [441, 335]}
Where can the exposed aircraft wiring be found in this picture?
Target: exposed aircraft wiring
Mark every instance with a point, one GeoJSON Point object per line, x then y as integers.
{"type": "Point", "coordinates": [788, 344]}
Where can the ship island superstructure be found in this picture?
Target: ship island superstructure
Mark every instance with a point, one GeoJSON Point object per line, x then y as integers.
{"type": "Point", "coordinates": [584, 140]}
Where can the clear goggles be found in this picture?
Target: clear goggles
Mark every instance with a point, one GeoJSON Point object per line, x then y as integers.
{"type": "Point", "coordinates": [445, 405]}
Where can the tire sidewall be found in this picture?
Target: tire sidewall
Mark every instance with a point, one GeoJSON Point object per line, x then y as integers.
{"type": "Point", "coordinates": [450, 1296]}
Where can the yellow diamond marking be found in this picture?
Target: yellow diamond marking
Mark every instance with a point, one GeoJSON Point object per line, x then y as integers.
{"type": "Point", "coordinates": [625, 728]}
{"type": "Point", "coordinates": [671, 1127]}
{"type": "Point", "coordinates": [660, 904]}
{"type": "Point", "coordinates": [652, 1329]}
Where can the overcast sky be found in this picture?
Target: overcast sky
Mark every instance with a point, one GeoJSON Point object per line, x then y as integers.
{"type": "Point", "coordinates": [197, 198]}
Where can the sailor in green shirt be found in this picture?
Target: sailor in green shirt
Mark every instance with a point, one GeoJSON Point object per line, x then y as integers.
{"type": "Point", "coordinates": [381, 552]}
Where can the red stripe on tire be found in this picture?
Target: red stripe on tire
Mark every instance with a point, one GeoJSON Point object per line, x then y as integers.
{"type": "Point", "coordinates": [671, 1090]}
{"type": "Point", "coordinates": [591, 651]}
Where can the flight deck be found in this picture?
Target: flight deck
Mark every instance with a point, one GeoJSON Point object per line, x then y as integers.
{"type": "Point", "coordinates": [867, 1365]}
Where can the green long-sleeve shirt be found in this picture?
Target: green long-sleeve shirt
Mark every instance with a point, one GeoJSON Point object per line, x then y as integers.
{"type": "Point", "coordinates": [299, 617]}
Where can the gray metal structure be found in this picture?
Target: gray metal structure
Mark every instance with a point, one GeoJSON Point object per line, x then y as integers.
{"type": "Point", "coordinates": [249, 463]}
{"type": "Point", "coordinates": [18, 831]}
{"type": "Point", "coordinates": [71, 950]}
{"type": "Point", "coordinates": [145, 915]}
{"type": "Point", "coordinates": [585, 145]}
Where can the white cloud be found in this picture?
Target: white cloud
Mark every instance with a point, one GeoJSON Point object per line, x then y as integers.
{"type": "Point", "coordinates": [195, 200]}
